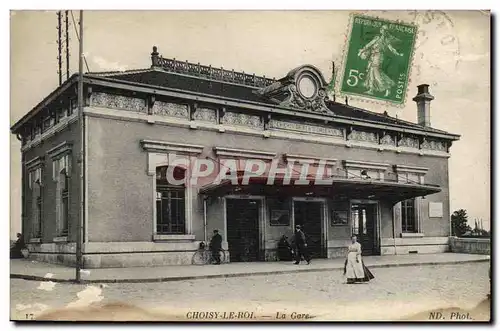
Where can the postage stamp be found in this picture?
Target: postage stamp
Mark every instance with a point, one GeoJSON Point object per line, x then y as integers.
{"type": "Point", "coordinates": [378, 59]}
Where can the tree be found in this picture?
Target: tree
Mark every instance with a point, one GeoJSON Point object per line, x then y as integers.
{"type": "Point", "coordinates": [459, 224]}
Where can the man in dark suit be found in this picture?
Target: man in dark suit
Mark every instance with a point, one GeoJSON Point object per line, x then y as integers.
{"type": "Point", "coordinates": [300, 244]}
{"type": "Point", "coordinates": [216, 246]}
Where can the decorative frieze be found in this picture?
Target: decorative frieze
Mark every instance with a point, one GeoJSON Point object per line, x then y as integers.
{"type": "Point", "coordinates": [241, 119]}
{"type": "Point", "coordinates": [407, 141]}
{"type": "Point", "coordinates": [205, 115]}
{"type": "Point", "coordinates": [365, 170]}
{"type": "Point", "coordinates": [223, 152]}
{"type": "Point", "coordinates": [106, 100]}
{"type": "Point", "coordinates": [294, 158]}
{"type": "Point", "coordinates": [388, 140]}
{"type": "Point", "coordinates": [170, 109]}
{"type": "Point", "coordinates": [410, 174]}
{"type": "Point", "coordinates": [306, 128]}
{"type": "Point", "coordinates": [363, 136]}
{"type": "Point", "coordinates": [434, 145]}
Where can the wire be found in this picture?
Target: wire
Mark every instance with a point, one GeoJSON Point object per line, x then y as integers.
{"type": "Point", "coordinates": [78, 37]}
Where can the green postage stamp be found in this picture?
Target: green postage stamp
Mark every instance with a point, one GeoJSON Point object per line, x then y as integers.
{"type": "Point", "coordinates": [378, 59]}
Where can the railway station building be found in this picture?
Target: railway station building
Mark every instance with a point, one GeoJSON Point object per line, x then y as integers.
{"type": "Point", "coordinates": [174, 151]}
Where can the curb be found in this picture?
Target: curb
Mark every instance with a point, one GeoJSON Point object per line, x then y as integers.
{"type": "Point", "coordinates": [230, 275]}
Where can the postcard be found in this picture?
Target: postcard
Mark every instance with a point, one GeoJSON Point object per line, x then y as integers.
{"type": "Point", "coordinates": [250, 166]}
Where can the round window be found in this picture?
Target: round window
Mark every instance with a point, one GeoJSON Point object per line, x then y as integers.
{"type": "Point", "coordinates": [307, 87]}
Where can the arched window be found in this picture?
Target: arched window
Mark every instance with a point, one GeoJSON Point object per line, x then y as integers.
{"type": "Point", "coordinates": [170, 200]}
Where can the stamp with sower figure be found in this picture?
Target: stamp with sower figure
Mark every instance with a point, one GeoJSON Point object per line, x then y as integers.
{"type": "Point", "coordinates": [378, 59]}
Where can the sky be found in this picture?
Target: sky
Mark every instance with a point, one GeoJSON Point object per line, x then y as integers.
{"type": "Point", "coordinates": [452, 55]}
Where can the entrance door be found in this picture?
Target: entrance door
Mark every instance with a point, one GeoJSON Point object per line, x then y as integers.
{"type": "Point", "coordinates": [243, 229]}
{"type": "Point", "coordinates": [309, 215]}
{"type": "Point", "coordinates": [363, 220]}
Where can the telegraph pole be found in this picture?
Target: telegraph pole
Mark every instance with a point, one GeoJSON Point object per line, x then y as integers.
{"type": "Point", "coordinates": [67, 43]}
{"type": "Point", "coordinates": [59, 47]}
{"type": "Point", "coordinates": [81, 160]}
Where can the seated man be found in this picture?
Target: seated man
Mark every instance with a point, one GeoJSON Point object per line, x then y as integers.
{"type": "Point", "coordinates": [16, 249]}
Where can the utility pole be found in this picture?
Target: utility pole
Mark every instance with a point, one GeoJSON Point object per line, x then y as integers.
{"type": "Point", "coordinates": [67, 43]}
{"type": "Point", "coordinates": [81, 159]}
{"type": "Point", "coordinates": [59, 47]}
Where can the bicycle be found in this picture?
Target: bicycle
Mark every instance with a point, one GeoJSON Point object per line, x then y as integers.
{"type": "Point", "coordinates": [204, 255]}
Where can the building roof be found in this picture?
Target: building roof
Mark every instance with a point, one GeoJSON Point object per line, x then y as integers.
{"type": "Point", "coordinates": [161, 78]}
{"type": "Point", "coordinates": [228, 84]}
{"type": "Point", "coordinates": [182, 81]}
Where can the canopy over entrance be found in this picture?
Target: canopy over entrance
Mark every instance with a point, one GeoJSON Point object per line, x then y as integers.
{"type": "Point", "coordinates": [353, 188]}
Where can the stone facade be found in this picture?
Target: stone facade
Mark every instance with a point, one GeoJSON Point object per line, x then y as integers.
{"type": "Point", "coordinates": [120, 185]}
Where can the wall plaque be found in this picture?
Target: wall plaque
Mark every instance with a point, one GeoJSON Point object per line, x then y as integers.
{"type": "Point", "coordinates": [339, 218]}
{"type": "Point", "coordinates": [280, 217]}
{"type": "Point", "coordinates": [435, 209]}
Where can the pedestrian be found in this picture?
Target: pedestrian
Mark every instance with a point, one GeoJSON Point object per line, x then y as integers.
{"type": "Point", "coordinates": [300, 243]}
{"type": "Point", "coordinates": [354, 268]}
{"type": "Point", "coordinates": [216, 246]}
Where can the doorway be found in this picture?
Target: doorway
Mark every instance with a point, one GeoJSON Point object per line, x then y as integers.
{"type": "Point", "coordinates": [309, 215]}
{"type": "Point", "coordinates": [363, 217]}
{"type": "Point", "coordinates": [242, 217]}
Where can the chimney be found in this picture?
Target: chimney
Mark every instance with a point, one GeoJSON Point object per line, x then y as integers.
{"type": "Point", "coordinates": [423, 100]}
{"type": "Point", "coordinates": [155, 57]}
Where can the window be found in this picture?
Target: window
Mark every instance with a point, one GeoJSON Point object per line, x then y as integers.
{"type": "Point", "coordinates": [363, 215]}
{"type": "Point", "coordinates": [35, 130]}
{"type": "Point", "coordinates": [73, 105]}
{"type": "Point", "coordinates": [408, 218]}
{"type": "Point", "coordinates": [61, 113]}
{"type": "Point", "coordinates": [61, 167]}
{"type": "Point", "coordinates": [61, 156]}
{"type": "Point", "coordinates": [37, 228]}
{"type": "Point", "coordinates": [64, 191]}
{"type": "Point", "coordinates": [32, 133]}
{"type": "Point", "coordinates": [355, 222]}
{"type": "Point", "coordinates": [170, 202]}
{"type": "Point", "coordinates": [46, 123]}
{"type": "Point", "coordinates": [359, 218]}
{"type": "Point", "coordinates": [38, 129]}
{"type": "Point", "coordinates": [34, 168]}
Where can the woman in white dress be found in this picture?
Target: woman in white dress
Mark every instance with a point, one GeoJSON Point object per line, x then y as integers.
{"type": "Point", "coordinates": [354, 268]}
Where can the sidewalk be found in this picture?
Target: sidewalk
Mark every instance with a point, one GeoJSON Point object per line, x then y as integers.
{"type": "Point", "coordinates": [33, 270]}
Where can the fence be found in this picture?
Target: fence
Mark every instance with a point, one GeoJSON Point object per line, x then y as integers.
{"type": "Point", "coordinates": [470, 245]}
